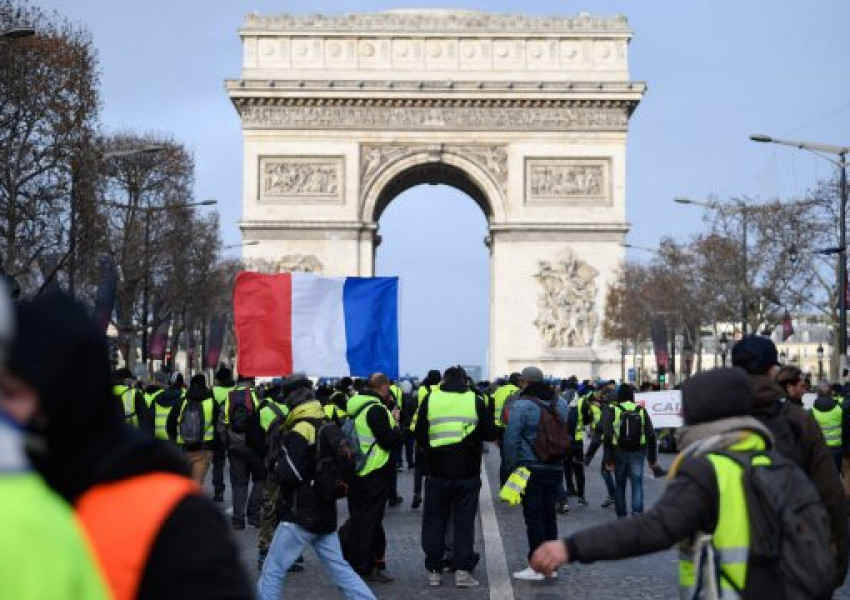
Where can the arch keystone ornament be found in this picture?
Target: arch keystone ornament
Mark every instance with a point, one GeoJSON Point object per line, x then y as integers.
{"type": "Point", "coordinates": [527, 115]}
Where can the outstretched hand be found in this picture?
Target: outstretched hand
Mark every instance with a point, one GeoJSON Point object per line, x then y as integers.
{"type": "Point", "coordinates": [549, 556]}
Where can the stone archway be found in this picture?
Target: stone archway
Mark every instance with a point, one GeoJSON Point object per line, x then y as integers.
{"type": "Point", "coordinates": [526, 115]}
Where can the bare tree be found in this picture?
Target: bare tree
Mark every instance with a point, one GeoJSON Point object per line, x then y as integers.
{"type": "Point", "coordinates": [48, 115]}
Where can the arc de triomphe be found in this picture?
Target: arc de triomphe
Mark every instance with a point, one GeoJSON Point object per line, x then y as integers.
{"type": "Point", "coordinates": [526, 115]}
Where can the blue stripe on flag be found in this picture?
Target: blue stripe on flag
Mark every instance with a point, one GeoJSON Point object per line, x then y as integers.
{"type": "Point", "coordinates": [371, 325]}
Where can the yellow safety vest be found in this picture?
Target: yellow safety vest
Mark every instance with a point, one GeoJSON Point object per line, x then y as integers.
{"type": "Point", "coordinates": [376, 457]}
{"type": "Point", "coordinates": [500, 396]}
{"type": "Point", "coordinates": [451, 417]}
{"type": "Point", "coordinates": [421, 392]}
{"type": "Point", "coordinates": [579, 437]}
{"type": "Point", "coordinates": [209, 426]}
{"type": "Point", "coordinates": [127, 396]}
{"type": "Point", "coordinates": [830, 424]}
{"type": "Point", "coordinates": [618, 411]}
{"type": "Point", "coordinates": [160, 417]}
{"type": "Point", "coordinates": [731, 537]}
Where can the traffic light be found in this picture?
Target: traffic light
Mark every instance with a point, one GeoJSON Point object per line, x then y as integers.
{"type": "Point", "coordinates": [662, 375]}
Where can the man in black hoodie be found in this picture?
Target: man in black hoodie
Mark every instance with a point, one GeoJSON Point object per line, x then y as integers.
{"type": "Point", "coordinates": [452, 425]}
{"type": "Point", "coordinates": [94, 461]}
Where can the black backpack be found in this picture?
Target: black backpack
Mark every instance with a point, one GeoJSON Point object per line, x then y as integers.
{"type": "Point", "coordinates": [631, 429]}
{"type": "Point", "coordinates": [552, 441]}
{"type": "Point", "coordinates": [193, 423]}
{"type": "Point", "coordinates": [241, 410]}
{"type": "Point", "coordinates": [334, 462]}
{"type": "Point", "coordinates": [789, 526]}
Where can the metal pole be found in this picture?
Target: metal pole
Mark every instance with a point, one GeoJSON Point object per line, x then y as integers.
{"type": "Point", "coordinates": [744, 284]}
{"type": "Point", "coordinates": [72, 232]}
{"type": "Point", "coordinates": [145, 290]}
{"type": "Point", "coordinates": [842, 268]}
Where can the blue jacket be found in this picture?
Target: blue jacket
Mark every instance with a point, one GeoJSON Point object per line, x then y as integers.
{"type": "Point", "coordinates": [521, 430]}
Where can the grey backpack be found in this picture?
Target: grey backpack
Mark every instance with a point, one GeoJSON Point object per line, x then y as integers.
{"type": "Point", "coordinates": [192, 423]}
{"type": "Point", "coordinates": [789, 526]}
{"type": "Point", "coordinates": [349, 432]}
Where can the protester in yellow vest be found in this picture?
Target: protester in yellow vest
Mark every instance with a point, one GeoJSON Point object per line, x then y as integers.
{"type": "Point", "coordinates": [453, 424]}
{"type": "Point", "coordinates": [430, 383]}
{"type": "Point", "coordinates": [362, 536]}
{"type": "Point", "coordinates": [223, 385]}
{"type": "Point", "coordinates": [43, 552]}
{"type": "Point", "coordinates": [131, 400]}
{"type": "Point", "coordinates": [191, 424]}
{"type": "Point", "coordinates": [832, 418]}
{"type": "Point", "coordinates": [705, 495]}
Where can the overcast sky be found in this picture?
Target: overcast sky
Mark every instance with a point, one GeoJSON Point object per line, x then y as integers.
{"type": "Point", "coordinates": [717, 71]}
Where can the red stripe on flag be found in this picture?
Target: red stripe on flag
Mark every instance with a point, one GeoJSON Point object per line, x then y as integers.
{"type": "Point", "coordinates": [262, 306]}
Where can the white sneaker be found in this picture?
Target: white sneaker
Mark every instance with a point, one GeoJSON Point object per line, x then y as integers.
{"type": "Point", "coordinates": [435, 578]}
{"type": "Point", "coordinates": [528, 574]}
{"type": "Point", "coordinates": [553, 575]}
{"type": "Point", "coordinates": [464, 579]}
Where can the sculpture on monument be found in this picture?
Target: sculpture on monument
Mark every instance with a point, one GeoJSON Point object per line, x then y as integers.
{"type": "Point", "coordinates": [566, 306]}
{"type": "Point", "coordinates": [291, 263]}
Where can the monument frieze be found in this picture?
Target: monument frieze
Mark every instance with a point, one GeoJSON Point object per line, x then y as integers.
{"type": "Point", "coordinates": [438, 117]}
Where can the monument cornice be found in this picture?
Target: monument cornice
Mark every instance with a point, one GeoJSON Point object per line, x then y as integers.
{"type": "Point", "coordinates": [574, 226]}
{"type": "Point", "coordinates": [276, 87]}
{"type": "Point", "coordinates": [389, 102]}
{"type": "Point", "coordinates": [419, 22]}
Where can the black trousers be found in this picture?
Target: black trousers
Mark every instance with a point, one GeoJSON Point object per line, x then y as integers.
{"type": "Point", "coordinates": [219, 454]}
{"type": "Point", "coordinates": [418, 471]}
{"type": "Point", "coordinates": [445, 498]}
{"type": "Point", "coordinates": [574, 468]}
{"type": "Point", "coordinates": [363, 541]}
{"type": "Point", "coordinates": [409, 443]}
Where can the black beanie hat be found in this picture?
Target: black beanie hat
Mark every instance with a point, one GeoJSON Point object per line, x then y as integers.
{"type": "Point", "coordinates": [198, 380]}
{"type": "Point", "coordinates": [223, 374]}
{"type": "Point", "coordinates": [716, 394]}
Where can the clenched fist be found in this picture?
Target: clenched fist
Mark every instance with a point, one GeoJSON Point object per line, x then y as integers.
{"type": "Point", "coordinates": [549, 556]}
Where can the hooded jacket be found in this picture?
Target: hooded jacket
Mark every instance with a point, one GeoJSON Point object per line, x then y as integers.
{"type": "Point", "coordinates": [814, 459]}
{"type": "Point", "coordinates": [688, 505]}
{"type": "Point", "coordinates": [64, 356]}
{"type": "Point", "coordinates": [298, 503]}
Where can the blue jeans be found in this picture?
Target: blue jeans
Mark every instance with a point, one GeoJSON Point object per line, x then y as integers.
{"type": "Point", "coordinates": [288, 543]}
{"type": "Point", "coordinates": [538, 506]}
{"type": "Point", "coordinates": [628, 466]}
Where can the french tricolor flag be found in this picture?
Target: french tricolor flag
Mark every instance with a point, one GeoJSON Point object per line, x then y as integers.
{"type": "Point", "coordinates": [325, 326]}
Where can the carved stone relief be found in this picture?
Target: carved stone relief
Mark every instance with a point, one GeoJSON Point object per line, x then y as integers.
{"type": "Point", "coordinates": [567, 302]}
{"type": "Point", "coordinates": [567, 181]}
{"type": "Point", "coordinates": [301, 179]}
{"type": "Point", "coordinates": [441, 21]}
{"type": "Point", "coordinates": [436, 118]}
{"type": "Point", "coordinates": [492, 159]}
{"type": "Point", "coordinates": [301, 263]}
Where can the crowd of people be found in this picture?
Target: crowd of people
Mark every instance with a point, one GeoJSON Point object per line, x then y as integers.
{"type": "Point", "coordinates": [117, 469]}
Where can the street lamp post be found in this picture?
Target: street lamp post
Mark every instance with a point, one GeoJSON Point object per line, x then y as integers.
{"type": "Point", "coordinates": [820, 362]}
{"type": "Point", "coordinates": [72, 225]}
{"type": "Point", "coordinates": [841, 152]}
{"type": "Point", "coordinates": [744, 210]}
{"type": "Point", "coordinates": [148, 210]}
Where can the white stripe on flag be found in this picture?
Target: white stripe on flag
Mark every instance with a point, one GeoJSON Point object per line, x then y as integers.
{"type": "Point", "coordinates": [318, 325]}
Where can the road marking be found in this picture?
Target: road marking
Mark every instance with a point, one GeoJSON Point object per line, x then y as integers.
{"type": "Point", "coordinates": [494, 551]}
